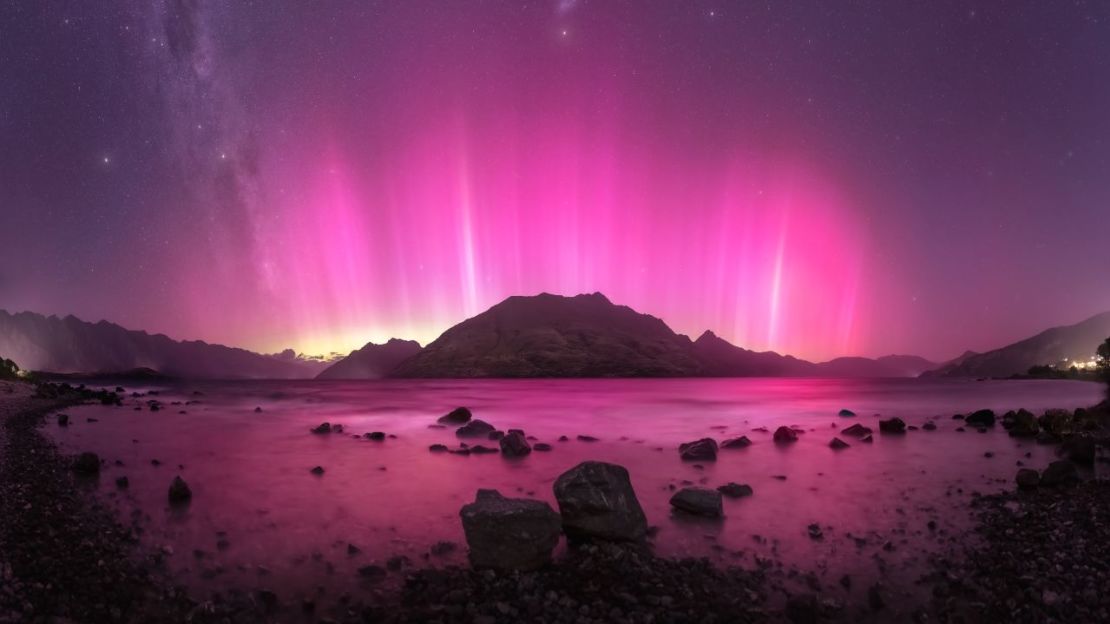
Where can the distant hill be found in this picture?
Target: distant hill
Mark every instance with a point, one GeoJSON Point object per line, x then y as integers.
{"type": "Point", "coordinates": [70, 345]}
{"type": "Point", "coordinates": [1048, 347]}
{"type": "Point", "coordinates": [372, 361]}
{"type": "Point", "coordinates": [553, 336]}
{"type": "Point", "coordinates": [886, 366]}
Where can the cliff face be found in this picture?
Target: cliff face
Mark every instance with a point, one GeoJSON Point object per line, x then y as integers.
{"type": "Point", "coordinates": [70, 345]}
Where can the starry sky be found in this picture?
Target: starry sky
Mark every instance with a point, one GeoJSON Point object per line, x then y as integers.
{"type": "Point", "coordinates": [817, 178]}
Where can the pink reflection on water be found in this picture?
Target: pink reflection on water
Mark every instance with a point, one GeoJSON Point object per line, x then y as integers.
{"type": "Point", "coordinates": [290, 530]}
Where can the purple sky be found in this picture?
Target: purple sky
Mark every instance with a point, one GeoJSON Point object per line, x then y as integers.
{"type": "Point", "coordinates": [812, 178]}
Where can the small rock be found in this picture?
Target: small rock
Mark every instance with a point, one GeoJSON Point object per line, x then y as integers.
{"type": "Point", "coordinates": [698, 501]}
{"type": "Point", "coordinates": [736, 443]}
{"type": "Point", "coordinates": [87, 463]}
{"type": "Point", "coordinates": [892, 425]}
{"type": "Point", "coordinates": [317, 470]}
{"type": "Point", "coordinates": [321, 428]}
{"type": "Point", "coordinates": [785, 435]}
{"type": "Point", "coordinates": [179, 491]}
{"type": "Point", "coordinates": [474, 429]}
{"type": "Point", "coordinates": [837, 444]}
{"type": "Point", "coordinates": [457, 416]}
{"type": "Point", "coordinates": [735, 490]}
{"type": "Point", "coordinates": [704, 449]}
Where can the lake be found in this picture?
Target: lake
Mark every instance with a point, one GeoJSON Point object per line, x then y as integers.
{"type": "Point", "coordinates": [290, 530]}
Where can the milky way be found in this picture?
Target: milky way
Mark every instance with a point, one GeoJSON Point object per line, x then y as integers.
{"type": "Point", "coordinates": [808, 178]}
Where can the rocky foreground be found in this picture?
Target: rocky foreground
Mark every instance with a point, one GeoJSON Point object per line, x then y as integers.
{"type": "Point", "coordinates": [1039, 553]}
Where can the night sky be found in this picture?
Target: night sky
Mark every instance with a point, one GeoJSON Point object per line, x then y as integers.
{"type": "Point", "coordinates": [815, 178]}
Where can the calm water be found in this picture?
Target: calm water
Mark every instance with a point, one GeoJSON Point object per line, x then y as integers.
{"type": "Point", "coordinates": [289, 530]}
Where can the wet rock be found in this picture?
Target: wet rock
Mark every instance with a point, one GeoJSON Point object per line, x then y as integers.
{"type": "Point", "coordinates": [474, 429]}
{"type": "Point", "coordinates": [443, 548]}
{"type": "Point", "coordinates": [514, 444]}
{"type": "Point", "coordinates": [1022, 424]}
{"type": "Point", "coordinates": [1027, 478]}
{"type": "Point", "coordinates": [735, 490]}
{"type": "Point", "coordinates": [892, 425]}
{"type": "Point", "coordinates": [867, 439]}
{"type": "Point", "coordinates": [837, 444]}
{"type": "Point", "coordinates": [704, 449]}
{"type": "Point", "coordinates": [736, 443]}
{"type": "Point", "coordinates": [929, 426]}
{"type": "Point", "coordinates": [785, 435]}
{"type": "Point", "coordinates": [457, 416]}
{"type": "Point", "coordinates": [846, 413]}
{"type": "Point", "coordinates": [438, 448]}
{"type": "Point", "coordinates": [317, 470]}
{"type": "Point", "coordinates": [376, 436]}
{"type": "Point", "coordinates": [814, 531]}
{"type": "Point", "coordinates": [1079, 449]}
{"type": "Point", "coordinates": [478, 449]}
{"type": "Point", "coordinates": [981, 418]}
{"type": "Point", "coordinates": [179, 491]}
{"type": "Point", "coordinates": [857, 430]}
{"type": "Point", "coordinates": [596, 501]}
{"type": "Point", "coordinates": [1059, 473]}
{"type": "Point", "coordinates": [257, 410]}
{"type": "Point", "coordinates": [698, 501]}
{"type": "Point", "coordinates": [321, 428]}
{"type": "Point", "coordinates": [509, 533]}
{"type": "Point", "coordinates": [541, 446]}
{"type": "Point", "coordinates": [87, 464]}
{"type": "Point", "coordinates": [586, 438]}
{"type": "Point", "coordinates": [496, 435]}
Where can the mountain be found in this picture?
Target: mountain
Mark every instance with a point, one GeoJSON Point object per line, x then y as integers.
{"type": "Point", "coordinates": [1072, 342]}
{"type": "Point", "coordinates": [721, 358]}
{"type": "Point", "coordinates": [553, 336]}
{"type": "Point", "coordinates": [70, 345]}
{"type": "Point", "coordinates": [886, 366]}
{"type": "Point", "coordinates": [372, 361]}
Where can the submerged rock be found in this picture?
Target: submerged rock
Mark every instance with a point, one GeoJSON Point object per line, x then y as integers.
{"type": "Point", "coordinates": [892, 425]}
{"type": "Point", "coordinates": [87, 464]}
{"type": "Point", "coordinates": [509, 533]}
{"type": "Point", "coordinates": [698, 501]}
{"type": "Point", "coordinates": [584, 438]}
{"type": "Point", "coordinates": [541, 446]}
{"type": "Point", "coordinates": [856, 430]}
{"type": "Point", "coordinates": [929, 426]}
{"type": "Point", "coordinates": [514, 444]}
{"type": "Point", "coordinates": [321, 428]}
{"type": "Point", "coordinates": [474, 429]}
{"type": "Point", "coordinates": [837, 444]}
{"type": "Point", "coordinates": [317, 470]}
{"type": "Point", "coordinates": [735, 490]}
{"type": "Point", "coordinates": [438, 448]}
{"type": "Point", "coordinates": [457, 416]}
{"type": "Point", "coordinates": [179, 491]}
{"type": "Point", "coordinates": [704, 449]}
{"type": "Point", "coordinates": [785, 435]}
{"type": "Point", "coordinates": [376, 436]}
{"type": "Point", "coordinates": [736, 443]}
{"type": "Point", "coordinates": [478, 449]}
{"type": "Point", "coordinates": [596, 501]}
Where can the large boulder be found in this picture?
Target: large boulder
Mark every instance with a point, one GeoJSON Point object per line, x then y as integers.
{"type": "Point", "coordinates": [1027, 478]}
{"type": "Point", "coordinates": [457, 416]}
{"type": "Point", "coordinates": [514, 444]}
{"type": "Point", "coordinates": [698, 501]}
{"type": "Point", "coordinates": [857, 430]}
{"type": "Point", "coordinates": [1079, 449]}
{"type": "Point", "coordinates": [981, 418]}
{"type": "Point", "coordinates": [509, 533]}
{"type": "Point", "coordinates": [597, 502]}
{"type": "Point", "coordinates": [474, 429]}
{"type": "Point", "coordinates": [704, 449]}
{"type": "Point", "coordinates": [892, 425]}
{"type": "Point", "coordinates": [1059, 473]}
{"type": "Point", "coordinates": [785, 435]}
{"type": "Point", "coordinates": [1021, 424]}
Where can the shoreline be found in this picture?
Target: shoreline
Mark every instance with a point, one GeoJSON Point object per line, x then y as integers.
{"type": "Point", "coordinates": [126, 582]}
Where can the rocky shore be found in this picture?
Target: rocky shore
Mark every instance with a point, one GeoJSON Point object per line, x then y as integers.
{"type": "Point", "coordinates": [1038, 553]}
